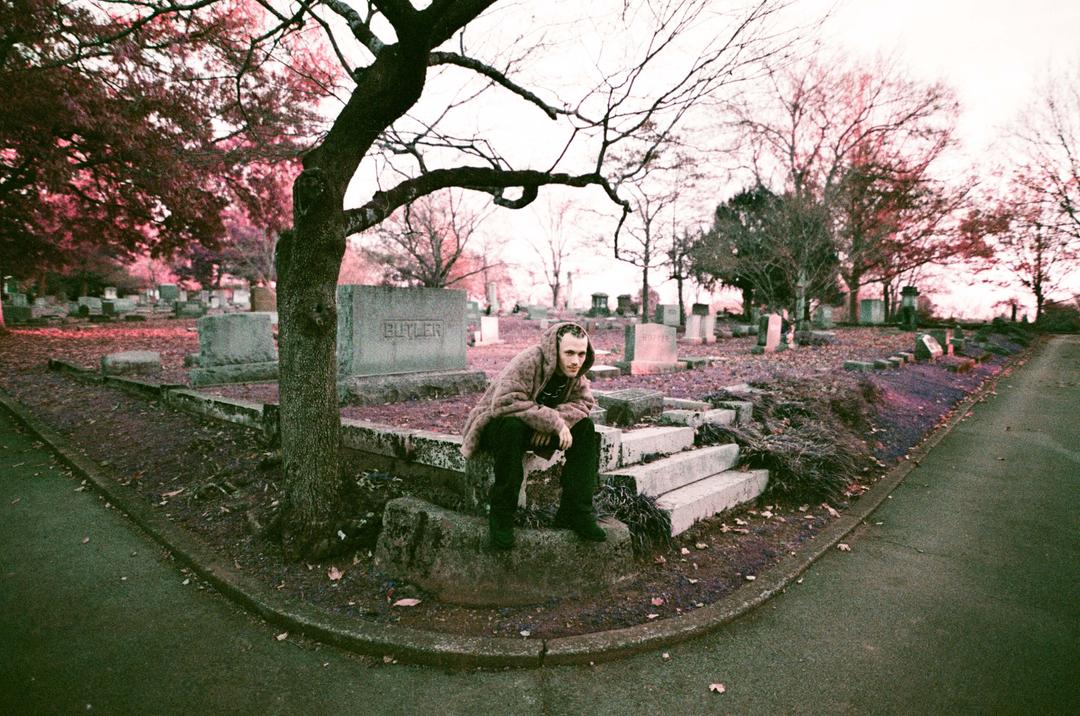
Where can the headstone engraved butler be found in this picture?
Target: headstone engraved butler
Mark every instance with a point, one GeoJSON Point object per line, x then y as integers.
{"type": "Point", "coordinates": [399, 343]}
{"type": "Point", "coordinates": [412, 330]}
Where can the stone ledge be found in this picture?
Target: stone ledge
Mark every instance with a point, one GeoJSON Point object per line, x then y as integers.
{"type": "Point", "coordinates": [234, 373]}
{"type": "Point", "coordinates": [447, 553]}
{"type": "Point", "coordinates": [379, 389]}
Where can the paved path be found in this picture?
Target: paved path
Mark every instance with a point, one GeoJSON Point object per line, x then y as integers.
{"type": "Point", "coordinates": [961, 596]}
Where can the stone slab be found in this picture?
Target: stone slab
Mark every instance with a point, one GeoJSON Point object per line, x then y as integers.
{"type": "Point", "coordinates": [871, 311]}
{"type": "Point", "coordinates": [744, 410]}
{"type": "Point", "coordinates": [447, 553]}
{"type": "Point", "coordinates": [670, 473]}
{"type": "Point", "coordinates": [236, 339]}
{"type": "Point", "coordinates": [131, 363]}
{"type": "Point", "coordinates": [603, 372]}
{"type": "Point", "coordinates": [641, 367]}
{"type": "Point", "coordinates": [927, 348]}
{"type": "Point", "coordinates": [858, 366]}
{"type": "Point", "coordinates": [385, 330]}
{"type": "Point", "coordinates": [380, 389]}
{"type": "Point", "coordinates": [237, 373]}
{"type": "Point", "coordinates": [630, 405]}
{"type": "Point", "coordinates": [882, 364]}
{"type": "Point", "coordinates": [689, 418]}
{"type": "Point", "coordinates": [705, 498]}
{"type": "Point", "coordinates": [685, 404]}
{"type": "Point", "coordinates": [645, 442]}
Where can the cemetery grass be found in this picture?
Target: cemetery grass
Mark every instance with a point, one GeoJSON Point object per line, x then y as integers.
{"type": "Point", "coordinates": [220, 483]}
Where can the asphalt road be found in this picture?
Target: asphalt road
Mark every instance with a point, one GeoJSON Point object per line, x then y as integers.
{"type": "Point", "coordinates": [960, 595]}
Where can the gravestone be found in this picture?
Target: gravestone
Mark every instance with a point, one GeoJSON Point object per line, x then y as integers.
{"type": "Point", "coordinates": [221, 295]}
{"type": "Point", "coordinates": [871, 312]}
{"type": "Point", "coordinates": [203, 297]}
{"type": "Point", "coordinates": [489, 331]}
{"type": "Point", "coordinates": [241, 298]}
{"type": "Point", "coordinates": [944, 338]}
{"type": "Point", "coordinates": [492, 293]}
{"type": "Point", "coordinates": [649, 348]}
{"type": "Point", "coordinates": [700, 309]}
{"type": "Point", "coordinates": [667, 314]}
{"type": "Point", "coordinates": [234, 348]}
{"type": "Point", "coordinates": [708, 328]}
{"type": "Point", "coordinates": [630, 405]}
{"type": "Point", "coordinates": [263, 298]}
{"type": "Point", "coordinates": [769, 339]}
{"type": "Point", "coordinates": [402, 343]}
{"type": "Point", "coordinates": [188, 309]}
{"type": "Point", "coordinates": [693, 329]}
{"type": "Point", "coordinates": [18, 299]}
{"type": "Point", "coordinates": [823, 317]}
{"type": "Point", "coordinates": [626, 305]}
{"type": "Point", "coordinates": [536, 313]}
{"type": "Point", "coordinates": [599, 305]}
{"type": "Point", "coordinates": [131, 363]}
{"type": "Point", "coordinates": [17, 314]}
{"type": "Point", "coordinates": [89, 306]}
{"type": "Point", "coordinates": [117, 307]}
{"type": "Point", "coordinates": [182, 295]}
{"type": "Point", "coordinates": [927, 348]}
{"type": "Point", "coordinates": [472, 313]}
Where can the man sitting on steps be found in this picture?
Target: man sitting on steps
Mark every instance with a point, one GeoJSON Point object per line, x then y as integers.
{"type": "Point", "coordinates": [540, 402]}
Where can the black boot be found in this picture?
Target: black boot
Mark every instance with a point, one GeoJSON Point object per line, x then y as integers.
{"type": "Point", "coordinates": [501, 530]}
{"type": "Point", "coordinates": [583, 525]}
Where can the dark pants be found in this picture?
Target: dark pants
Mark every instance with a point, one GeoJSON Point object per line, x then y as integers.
{"type": "Point", "coordinates": [507, 439]}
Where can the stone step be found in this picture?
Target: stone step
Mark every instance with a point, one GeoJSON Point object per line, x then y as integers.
{"type": "Point", "coordinates": [716, 493]}
{"type": "Point", "coordinates": [696, 418]}
{"type": "Point", "coordinates": [685, 404]}
{"type": "Point", "coordinates": [670, 473]}
{"type": "Point", "coordinates": [637, 444]}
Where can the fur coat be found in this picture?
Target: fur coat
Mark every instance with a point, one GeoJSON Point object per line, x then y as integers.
{"type": "Point", "coordinates": [513, 393]}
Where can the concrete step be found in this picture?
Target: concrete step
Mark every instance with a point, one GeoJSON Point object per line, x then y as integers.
{"type": "Point", "coordinates": [637, 444]}
{"type": "Point", "coordinates": [670, 473]}
{"type": "Point", "coordinates": [704, 498]}
{"type": "Point", "coordinates": [697, 418]}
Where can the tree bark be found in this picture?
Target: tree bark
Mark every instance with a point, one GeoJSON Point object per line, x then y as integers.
{"type": "Point", "coordinates": [308, 262]}
{"type": "Point", "coordinates": [645, 293]}
{"type": "Point", "coordinates": [853, 279]}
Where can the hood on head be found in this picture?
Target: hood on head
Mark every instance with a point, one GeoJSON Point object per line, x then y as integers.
{"type": "Point", "coordinates": [550, 349]}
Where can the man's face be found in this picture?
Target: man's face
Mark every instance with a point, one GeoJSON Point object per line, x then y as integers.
{"type": "Point", "coordinates": [572, 354]}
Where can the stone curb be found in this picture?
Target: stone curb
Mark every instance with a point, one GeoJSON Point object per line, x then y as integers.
{"type": "Point", "coordinates": [449, 650]}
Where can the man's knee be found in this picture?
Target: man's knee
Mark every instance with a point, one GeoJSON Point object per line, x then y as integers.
{"type": "Point", "coordinates": [583, 429]}
{"type": "Point", "coordinates": [505, 433]}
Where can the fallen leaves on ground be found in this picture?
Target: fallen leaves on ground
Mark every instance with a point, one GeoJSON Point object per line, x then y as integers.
{"type": "Point", "coordinates": [843, 547]}
{"type": "Point", "coordinates": [717, 688]}
{"type": "Point", "coordinates": [407, 602]}
{"type": "Point", "coordinates": [334, 574]}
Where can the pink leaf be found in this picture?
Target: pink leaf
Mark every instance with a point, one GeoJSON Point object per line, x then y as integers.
{"type": "Point", "coordinates": [406, 602]}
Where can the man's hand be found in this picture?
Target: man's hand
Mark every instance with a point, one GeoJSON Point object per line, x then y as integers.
{"type": "Point", "coordinates": [540, 439]}
{"type": "Point", "coordinates": [565, 439]}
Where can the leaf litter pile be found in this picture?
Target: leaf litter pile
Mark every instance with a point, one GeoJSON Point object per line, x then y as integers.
{"type": "Point", "coordinates": [824, 434]}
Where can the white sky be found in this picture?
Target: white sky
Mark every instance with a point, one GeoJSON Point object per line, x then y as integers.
{"type": "Point", "coordinates": [992, 52]}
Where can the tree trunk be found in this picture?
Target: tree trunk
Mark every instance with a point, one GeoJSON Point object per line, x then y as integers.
{"type": "Point", "coordinates": [853, 280]}
{"type": "Point", "coordinates": [308, 262]}
{"type": "Point", "coordinates": [682, 306]}
{"type": "Point", "coordinates": [645, 293]}
{"type": "Point", "coordinates": [747, 303]}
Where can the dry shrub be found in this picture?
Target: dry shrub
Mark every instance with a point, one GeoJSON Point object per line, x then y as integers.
{"type": "Point", "coordinates": [805, 433]}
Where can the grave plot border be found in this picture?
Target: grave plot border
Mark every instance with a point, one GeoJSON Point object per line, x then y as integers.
{"type": "Point", "coordinates": [449, 650]}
